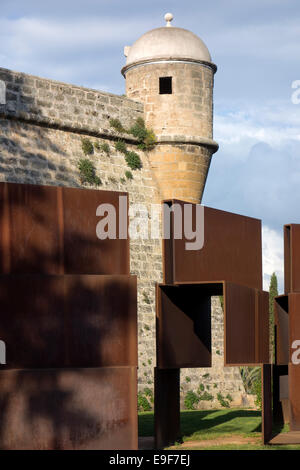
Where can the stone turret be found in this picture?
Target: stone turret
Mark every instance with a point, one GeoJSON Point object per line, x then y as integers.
{"type": "Point", "coordinates": [170, 71]}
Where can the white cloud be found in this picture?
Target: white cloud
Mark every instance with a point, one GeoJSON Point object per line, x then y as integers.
{"type": "Point", "coordinates": [81, 50]}
{"type": "Point", "coordinates": [256, 171]}
{"type": "Point", "coordinates": [272, 123]}
{"type": "Point", "coordinates": [272, 243]}
{"type": "Point", "coordinates": [30, 34]}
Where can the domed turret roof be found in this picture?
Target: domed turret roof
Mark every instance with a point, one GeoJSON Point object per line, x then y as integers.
{"type": "Point", "coordinates": [167, 43]}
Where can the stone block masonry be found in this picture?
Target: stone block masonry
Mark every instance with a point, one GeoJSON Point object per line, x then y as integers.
{"type": "Point", "coordinates": [182, 122]}
{"type": "Point", "coordinates": [67, 107]}
{"type": "Point", "coordinates": [41, 127]}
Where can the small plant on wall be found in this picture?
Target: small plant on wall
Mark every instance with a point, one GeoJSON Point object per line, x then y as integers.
{"type": "Point", "coordinates": [102, 147]}
{"type": "Point", "coordinates": [105, 148]}
{"type": "Point", "coordinates": [117, 125]}
{"type": "Point", "coordinates": [146, 137]}
{"type": "Point", "coordinates": [143, 402]}
{"type": "Point", "coordinates": [133, 160]}
{"type": "Point", "coordinates": [191, 399]}
{"type": "Point", "coordinates": [87, 146]}
{"type": "Point", "coordinates": [129, 175]}
{"type": "Point", "coordinates": [146, 141]}
{"type": "Point", "coordinates": [224, 401]}
{"type": "Point", "coordinates": [120, 146]}
{"type": "Point", "coordinates": [87, 172]}
{"type": "Point", "coordinates": [205, 396]}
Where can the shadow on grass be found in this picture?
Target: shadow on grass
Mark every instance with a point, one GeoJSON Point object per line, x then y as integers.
{"type": "Point", "coordinates": [203, 422]}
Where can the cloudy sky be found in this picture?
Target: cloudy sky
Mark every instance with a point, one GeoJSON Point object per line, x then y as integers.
{"type": "Point", "coordinates": [256, 45]}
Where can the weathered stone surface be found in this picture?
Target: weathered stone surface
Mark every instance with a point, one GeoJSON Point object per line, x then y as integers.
{"type": "Point", "coordinates": [182, 117]}
{"type": "Point", "coordinates": [40, 143]}
{"type": "Point", "coordinates": [41, 100]}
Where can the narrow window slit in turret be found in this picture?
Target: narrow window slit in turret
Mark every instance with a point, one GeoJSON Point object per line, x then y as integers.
{"type": "Point", "coordinates": [165, 85]}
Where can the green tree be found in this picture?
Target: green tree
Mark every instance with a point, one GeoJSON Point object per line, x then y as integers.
{"type": "Point", "coordinates": [273, 292]}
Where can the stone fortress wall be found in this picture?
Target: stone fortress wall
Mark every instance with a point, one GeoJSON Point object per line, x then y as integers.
{"type": "Point", "coordinates": [41, 129]}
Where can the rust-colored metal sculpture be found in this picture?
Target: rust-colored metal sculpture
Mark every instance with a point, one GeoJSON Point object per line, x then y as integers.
{"type": "Point", "coordinates": [184, 324]}
{"type": "Point", "coordinates": [266, 402]}
{"type": "Point", "coordinates": [291, 258]}
{"type": "Point", "coordinates": [286, 373]}
{"type": "Point", "coordinates": [68, 316]}
{"type": "Point", "coordinates": [286, 390]}
{"type": "Point", "coordinates": [231, 252]}
{"type": "Point", "coordinates": [228, 264]}
{"type": "Point", "coordinates": [87, 408]}
{"type": "Point", "coordinates": [52, 230]}
{"type": "Point", "coordinates": [68, 321]}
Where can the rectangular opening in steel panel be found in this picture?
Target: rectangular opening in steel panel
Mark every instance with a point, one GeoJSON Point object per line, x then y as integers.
{"type": "Point", "coordinates": [183, 327]}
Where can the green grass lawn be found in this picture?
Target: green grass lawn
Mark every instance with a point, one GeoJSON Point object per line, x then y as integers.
{"type": "Point", "coordinates": [214, 424]}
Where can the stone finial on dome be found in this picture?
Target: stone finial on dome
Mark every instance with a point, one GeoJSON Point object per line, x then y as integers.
{"type": "Point", "coordinates": [168, 17]}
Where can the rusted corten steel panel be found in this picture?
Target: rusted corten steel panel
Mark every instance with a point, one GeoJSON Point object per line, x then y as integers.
{"type": "Point", "coordinates": [246, 325]}
{"type": "Point", "coordinates": [292, 258]}
{"type": "Point", "coordinates": [69, 409]}
{"type": "Point", "coordinates": [262, 327]}
{"type": "Point", "coordinates": [232, 250]}
{"type": "Point", "coordinates": [166, 406]}
{"type": "Point", "coordinates": [294, 320]}
{"type": "Point", "coordinates": [294, 369]}
{"type": "Point", "coordinates": [52, 230]}
{"type": "Point", "coordinates": [266, 381]}
{"type": "Point", "coordinates": [284, 396]}
{"type": "Point", "coordinates": [281, 320]}
{"type": "Point", "coordinates": [183, 329]}
{"type": "Point", "coordinates": [29, 232]}
{"type": "Point", "coordinates": [294, 395]}
{"type": "Point", "coordinates": [280, 411]}
{"type": "Point", "coordinates": [183, 326]}
{"type": "Point", "coordinates": [68, 321]}
{"type": "Point", "coordinates": [83, 251]}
